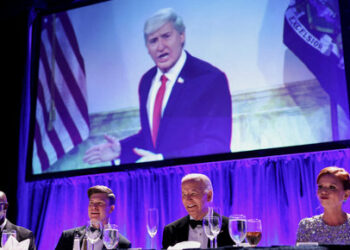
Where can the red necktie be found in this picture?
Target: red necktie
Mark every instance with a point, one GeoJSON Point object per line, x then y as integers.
{"type": "Point", "coordinates": [157, 111]}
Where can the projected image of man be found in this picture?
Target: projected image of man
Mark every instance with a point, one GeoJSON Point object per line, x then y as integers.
{"type": "Point", "coordinates": [185, 103]}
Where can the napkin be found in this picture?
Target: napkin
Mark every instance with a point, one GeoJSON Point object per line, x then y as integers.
{"type": "Point", "coordinates": [186, 245]}
{"type": "Point", "coordinates": [13, 244]}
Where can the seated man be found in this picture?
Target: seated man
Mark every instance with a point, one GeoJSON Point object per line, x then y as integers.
{"type": "Point", "coordinates": [101, 205]}
{"type": "Point", "coordinates": [197, 193]}
{"type": "Point", "coordinates": [21, 232]}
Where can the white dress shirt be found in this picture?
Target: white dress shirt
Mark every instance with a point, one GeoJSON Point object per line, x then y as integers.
{"type": "Point", "coordinates": [198, 234]}
{"type": "Point", "coordinates": [97, 245]}
{"type": "Point", "coordinates": [172, 75]}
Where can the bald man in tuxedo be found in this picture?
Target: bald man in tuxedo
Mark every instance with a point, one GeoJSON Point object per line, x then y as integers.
{"type": "Point", "coordinates": [21, 232]}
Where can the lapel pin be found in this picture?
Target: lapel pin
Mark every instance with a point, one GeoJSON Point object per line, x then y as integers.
{"type": "Point", "coordinates": [180, 80]}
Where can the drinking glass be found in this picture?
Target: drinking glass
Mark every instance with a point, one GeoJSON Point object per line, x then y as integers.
{"type": "Point", "coordinates": [152, 223]}
{"type": "Point", "coordinates": [215, 222]}
{"type": "Point", "coordinates": [110, 236]}
{"type": "Point", "coordinates": [93, 231]}
{"type": "Point", "coordinates": [254, 231]}
{"type": "Point", "coordinates": [207, 229]}
{"type": "Point", "coordinates": [238, 228]}
{"type": "Point", "coordinates": [6, 235]}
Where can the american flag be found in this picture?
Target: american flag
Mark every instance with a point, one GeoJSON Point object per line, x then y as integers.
{"type": "Point", "coordinates": [62, 120]}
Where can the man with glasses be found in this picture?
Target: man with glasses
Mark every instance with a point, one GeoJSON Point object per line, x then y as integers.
{"type": "Point", "coordinates": [21, 232]}
{"type": "Point", "coordinates": [101, 205]}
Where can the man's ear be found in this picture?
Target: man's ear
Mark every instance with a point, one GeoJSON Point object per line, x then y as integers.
{"type": "Point", "coordinates": [210, 196]}
{"type": "Point", "coordinates": [111, 208]}
{"type": "Point", "coordinates": [183, 38]}
{"type": "Point", "coordinates": [347, 195]}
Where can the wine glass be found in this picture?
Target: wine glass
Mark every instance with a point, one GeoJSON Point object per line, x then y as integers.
{"type": "Point", "coordinates": [152, 223]}
{"type": "Point", "coordinates": [6, 234]}
{"type": "Point", "coordinates": [110, 236]}
{"type": "Point", "coordinates": [238, 228]}
{"type": "Point", "coordinates": [254, 231]}
{"type": "Point", "coordinates": [93, 231]}
{"type": "Point", "coordinates": [207, 229]}
{"type": "Point", "coordinates": [215, 223]}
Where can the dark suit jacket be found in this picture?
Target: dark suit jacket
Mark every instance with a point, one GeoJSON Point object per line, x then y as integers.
{"type": "Point", "coordinates": [196, 120]}
{"type": "Point", "coordinates": [22, 234]}
{"type": "Point", "coordinates": [177, 231]}
{"type": "Point", "coordinates": [67, 239]}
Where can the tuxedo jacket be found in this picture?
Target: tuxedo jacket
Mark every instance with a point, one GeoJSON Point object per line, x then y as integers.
{"type": "Point", "coordinates": [67, 239]}
{"type": "Point", "coordinates": [21, 234]}
{"type": "Point", "coordinates": [197, 118]}
{"type": "Point", "coordinates": [177, 231]}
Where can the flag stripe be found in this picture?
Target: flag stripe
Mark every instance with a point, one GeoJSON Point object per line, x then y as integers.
{"type": "Point", "coordinates": [50, 151]}
{"type": "Point", "coordinates": [68, 96]}
{"type": "Point", "coordinates": [61, 107]}
{"type": "Point", "coordinates": [72, 39]}
{"type": "Point", "coordinates": [54, 139]}
{"type": "Point", "coordinates": [62, 119]}
{"type": "Point", "coordinates": [68, 76]}
{"type": "Point", "coordinates": [40, 148]}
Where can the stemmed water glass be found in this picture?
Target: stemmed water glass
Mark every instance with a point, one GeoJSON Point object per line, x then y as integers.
{"type": "Point", "coordinates": [254, 231]}
{"type": "Point", "coordinates": [110, 236]}
{"type": "Point", "coordinates": [93, 231]}
{"type": "Point", "coordinates": [207, 229]}
{"type": "Point", "coordinates": [152, 223]}
{"type": "Point", "coordinates": [215, 222]}
{"type": "Point", "coordinates": [237, 228]}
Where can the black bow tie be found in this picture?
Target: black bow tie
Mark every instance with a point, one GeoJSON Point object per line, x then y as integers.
{"type": "Point", "coordinates": [194, 223]}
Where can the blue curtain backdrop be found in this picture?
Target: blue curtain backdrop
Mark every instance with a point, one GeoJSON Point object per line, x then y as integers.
{"type": "Point", "coordinates": [279, 190]}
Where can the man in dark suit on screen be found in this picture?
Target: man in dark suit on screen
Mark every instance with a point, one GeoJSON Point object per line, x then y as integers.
{"type": "Point", "coordinates": [101, 205]}
{"type": "Point", "coordinates": [21, 232]}
{"type": "Point", "coordinates": [185, 103]}
{"type": "Point", "coordinates": [197, 193]}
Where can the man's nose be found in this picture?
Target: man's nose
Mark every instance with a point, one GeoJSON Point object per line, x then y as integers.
{"type": "Point", "coordinates": [189, 197]}
{"type": "Point", "coordinates": [160, 45]}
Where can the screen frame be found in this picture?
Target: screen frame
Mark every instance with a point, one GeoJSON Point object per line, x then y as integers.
{"type": "Point", "coordinates": [33, 54]}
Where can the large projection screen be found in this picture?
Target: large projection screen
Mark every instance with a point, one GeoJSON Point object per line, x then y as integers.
{"type": "Point", "coordinates": [283, 61]}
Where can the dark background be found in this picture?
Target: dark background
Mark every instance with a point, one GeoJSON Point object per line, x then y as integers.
{"type": "Point", "coordinates": [14, 35]}
{"type": "Point", "coordinates": [14, 16]}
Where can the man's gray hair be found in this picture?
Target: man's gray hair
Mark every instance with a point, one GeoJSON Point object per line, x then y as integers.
{"type": "Point", "coordinates": [200, 178]}
{"type": "Point", "coordinates": [160, 18]}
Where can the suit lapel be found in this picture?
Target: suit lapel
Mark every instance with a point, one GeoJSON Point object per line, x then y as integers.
{"type": "Point", "coordinates": [175, 96]}
{"type": "Point", "coordinates": [10, 226]}
{"type": "Point", "coordinates": [81, 232]}
{"type": "Point", "coordinates": [183, 229]}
